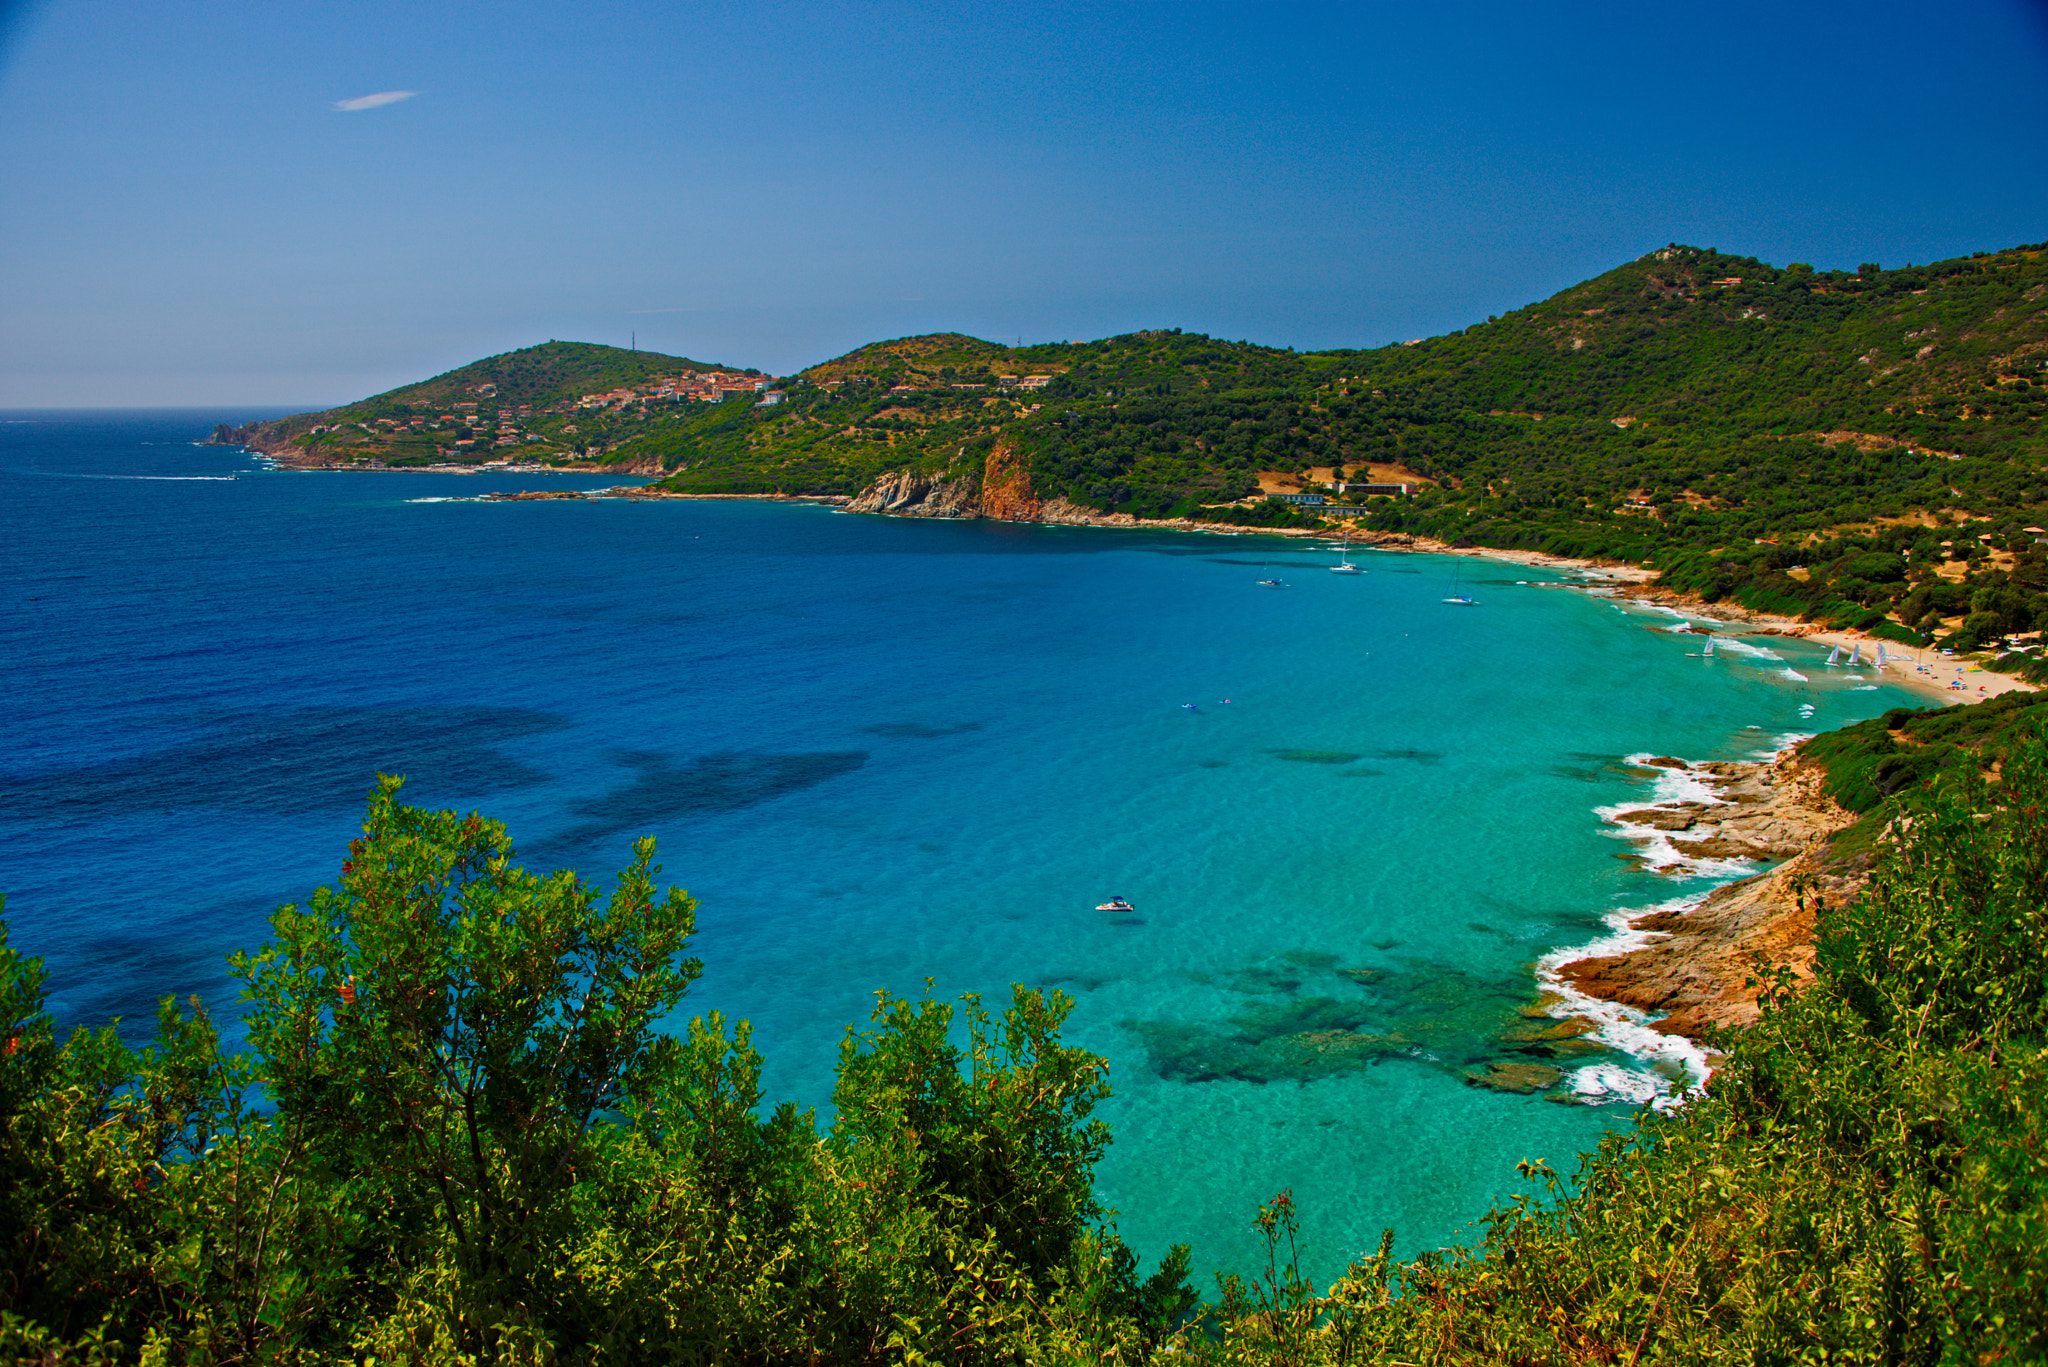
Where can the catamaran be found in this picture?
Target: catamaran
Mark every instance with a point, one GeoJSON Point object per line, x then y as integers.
{"type": "Point", "coordinates": [1856, 660]}
{"type": "Point", "coordinates": [1344, 565]}
{"type": "Point", "coordinates": [1834, 656]}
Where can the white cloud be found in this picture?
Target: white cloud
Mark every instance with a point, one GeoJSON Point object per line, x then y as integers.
{"type": "Point", "coordinates": [372, 101]}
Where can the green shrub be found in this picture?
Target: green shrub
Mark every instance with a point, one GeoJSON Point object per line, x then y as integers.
{"type": "Point", "coordinates": [458, 1138]}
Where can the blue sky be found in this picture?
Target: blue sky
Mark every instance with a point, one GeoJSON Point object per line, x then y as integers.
{"type": "Point", "coordinates": [189, 218]}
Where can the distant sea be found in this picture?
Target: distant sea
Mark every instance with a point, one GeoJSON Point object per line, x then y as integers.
{"type": "Point", "coordinates": [881, 751]}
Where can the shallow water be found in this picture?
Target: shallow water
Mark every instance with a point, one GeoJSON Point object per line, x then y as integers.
{"type": "Point", "coordinates": [883, 750]}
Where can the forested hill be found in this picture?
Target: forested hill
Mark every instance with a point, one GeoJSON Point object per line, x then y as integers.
{"type": "Point", "coordinates": [1807, 441]}
{"type": "Point", "coordinates": [538, 389]}
{"type": "Point", "coordinates": [1865, 447]}
{"type": "Point", "coordinates": [1930, 356]}
{"type": "Point", "coordinates": [1671, 381]}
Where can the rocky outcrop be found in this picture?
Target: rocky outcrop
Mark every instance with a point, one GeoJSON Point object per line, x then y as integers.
{"type": "Point", "coordinates": [1703, 967]}
{"type": "Point", "coordinates": [1520, 1078]}
{"type": "Point", "coordinates": [905, 493]}
{"type": "Point", "coordinates": [1006, 492]}
{"type": "Point", "coordinates": [224, 435]}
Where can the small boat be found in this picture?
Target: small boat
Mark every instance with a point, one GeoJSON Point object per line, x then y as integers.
{"type": "Point", "coordinates": [1706, 654]}
{"type": "Point", "coordinates": [1116, 904]}
{"type": "Point", "coordinates": [1834, 656]}
{"type": "Point", "coordinates": [1856, 660]}
{"type": "Point", "coordinates": [1344, 565]}
{"type": "Point", "coordinates": [1463, 600]}
{"type": "Point", "coordinates": [1882, 662]}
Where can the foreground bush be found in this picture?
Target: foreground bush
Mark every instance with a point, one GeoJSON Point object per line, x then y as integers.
{"type": "Point", "coordinates": [458, 1137]}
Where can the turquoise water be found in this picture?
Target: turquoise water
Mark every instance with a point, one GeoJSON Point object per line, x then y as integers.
{"type": "Point", "coordinates": [879, 751]}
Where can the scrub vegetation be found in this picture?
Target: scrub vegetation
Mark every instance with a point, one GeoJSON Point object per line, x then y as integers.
{"type": "Point", "coordinates": [457, 1135]}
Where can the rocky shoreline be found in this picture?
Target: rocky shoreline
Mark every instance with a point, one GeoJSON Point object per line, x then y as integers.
{"type": "Point", "coordinates": [1700, 971]}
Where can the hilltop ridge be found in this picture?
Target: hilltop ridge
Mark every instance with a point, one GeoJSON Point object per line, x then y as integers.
{"type": "Point", "coordinates": [1866, 447]}
{"type": "Point", "coordinates": [539, 399]}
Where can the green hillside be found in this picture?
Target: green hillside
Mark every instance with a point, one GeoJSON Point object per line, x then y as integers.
{"type": "Point", "coordinates": [1161, 422]}
{"type": "Point", "coordinates": [942, 357]}
{"type": "Point", "coordinates": [1865, 448]}
{"type": "Point", "coordinates": [530, 393]}
{"type": "Point", "coordinates": [1674, 381]}
{"type": "Point", "coordinates": [540, 375]}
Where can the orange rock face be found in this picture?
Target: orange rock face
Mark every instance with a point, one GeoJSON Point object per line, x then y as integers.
{"type": "Point", "coordinates": [1006, 491]}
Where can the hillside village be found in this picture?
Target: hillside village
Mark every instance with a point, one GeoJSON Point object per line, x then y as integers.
{"type": "Point", "coordinates": [489, 427]}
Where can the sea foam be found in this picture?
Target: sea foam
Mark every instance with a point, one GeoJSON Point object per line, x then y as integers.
{"type": "Point", "coordinates": [1678, 1067]}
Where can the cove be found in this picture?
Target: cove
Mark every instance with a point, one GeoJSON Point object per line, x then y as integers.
{"type": "Point", "coordinates": [881, 751]}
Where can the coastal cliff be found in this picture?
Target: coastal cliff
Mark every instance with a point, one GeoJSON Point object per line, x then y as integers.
{"type": "Point", "coordinates": [1005, 493]}
{"type": "Point", "coordinates": [245, 435]}
{"type": "Point", "coordinates": [1702, 968]}
{"type": "Point", "coordinates": [905, 493]}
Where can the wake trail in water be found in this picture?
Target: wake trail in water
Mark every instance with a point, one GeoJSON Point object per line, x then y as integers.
{"type": "Point", "coordinates": [172, 479]}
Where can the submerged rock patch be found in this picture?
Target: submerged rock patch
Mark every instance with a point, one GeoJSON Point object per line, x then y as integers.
{"type": "Point", "coordinates": [1305, 1025]}
{"type": "Point", "coordinates": [1520, 1078]}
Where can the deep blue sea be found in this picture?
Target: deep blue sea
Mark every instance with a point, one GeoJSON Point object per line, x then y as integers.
{"type": "Point", "coordinates": [881, 751]}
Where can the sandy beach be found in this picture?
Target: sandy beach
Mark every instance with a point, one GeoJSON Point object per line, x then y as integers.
{"type": "Point", "coordinates": [1944, 678]}
{"type": "Point", "coordinates": [1937, 677]}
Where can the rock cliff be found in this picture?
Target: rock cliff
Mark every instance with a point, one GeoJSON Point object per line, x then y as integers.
{"type": "Point", "coordinates": [224, 435]}
{"type": "Point", "coordinates": [905, 493]}
{"type": "Point", "coordinates": [1006, 492]}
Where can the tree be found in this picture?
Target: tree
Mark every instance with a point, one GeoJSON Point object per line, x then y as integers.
{"type": "Point", "coordinates": [449, 1027]}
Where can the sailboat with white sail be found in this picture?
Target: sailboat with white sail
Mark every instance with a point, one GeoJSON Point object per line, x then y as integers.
{"type": "Point", "coordinates": [1461, 599]}
{"type": "Point", "coordinates": [1344, 565]}
{"type": "Point", "coordinates": [1834, 657]}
